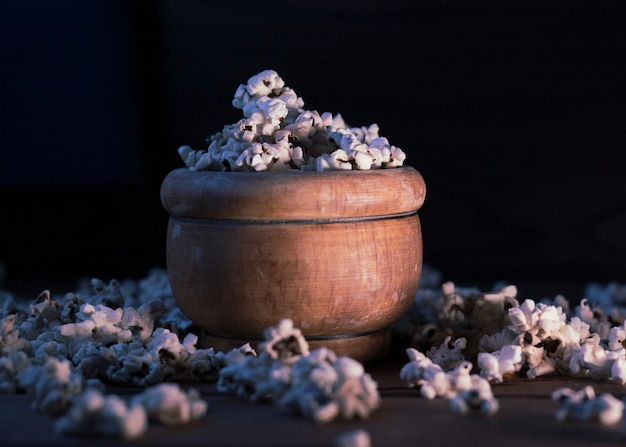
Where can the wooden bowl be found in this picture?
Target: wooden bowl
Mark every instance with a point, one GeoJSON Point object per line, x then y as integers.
{"type": "Point", "coordinates": [337, 252]}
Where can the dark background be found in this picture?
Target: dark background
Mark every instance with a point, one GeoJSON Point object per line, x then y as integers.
{"type": "Point", "coordinates": [514, 113]}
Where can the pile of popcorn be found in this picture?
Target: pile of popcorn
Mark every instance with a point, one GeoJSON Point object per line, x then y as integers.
{"type": "Point", "coordinates": [453, 330]}
{"type": "Point", "coordinates": [276, 133]}
{"type": "Point", "coordinates": [64, 350]}
{"type": "Point", "coordinates": [318, 384]}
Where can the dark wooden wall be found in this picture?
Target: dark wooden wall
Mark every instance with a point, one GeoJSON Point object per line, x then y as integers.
{"type": "Point", "coordinates": [514, 112]}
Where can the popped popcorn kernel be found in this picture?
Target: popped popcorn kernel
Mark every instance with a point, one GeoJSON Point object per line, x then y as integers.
{"type": "Point", "coordinates": [52, 385]}
{"type": "Point", "coordinates": [465, 391]}
{"type": "Point", "coordinates": [584, 405]}
{"type": "Point", "coordinates": [168, 404]}
{"type": "Point", "coordinates": [93, 413]}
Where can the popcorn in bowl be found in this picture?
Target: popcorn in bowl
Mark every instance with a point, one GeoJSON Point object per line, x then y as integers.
{"type": "Point", "coordinates": [276, 133]}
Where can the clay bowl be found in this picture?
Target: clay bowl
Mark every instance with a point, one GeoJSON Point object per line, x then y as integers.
{"type": "Point", "coordinates": [337, 252]}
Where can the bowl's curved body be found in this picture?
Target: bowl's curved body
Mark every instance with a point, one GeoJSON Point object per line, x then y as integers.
{"type": "Point", "coordinates": [339, 253]}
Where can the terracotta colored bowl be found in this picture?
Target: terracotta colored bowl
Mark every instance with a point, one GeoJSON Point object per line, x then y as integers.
{"type": "Point", "coordinates": [338, 252]}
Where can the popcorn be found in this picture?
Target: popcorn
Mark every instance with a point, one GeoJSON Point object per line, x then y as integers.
{"type": "Point", "coordinates": [355, 394]}
{"type": "Point", "coordinates": [596, 361]}
{"type": "Point", "coordinates": [284, 342]}
{"type": "Point", "coordinates": [10, 340]}
{"type": "Point", "coordinates": [52, 385]}
{"type": "Point", "coordinates": [422, 373]}
{"type": "Point", "coordinates": [93, 413]}
{"type": "Point", "coordinates": [11, 366]}
{"type": "Point", "coordinates": [276, 133]}
{"type": "Point", "coordinates": [63, 351]}
{"type": "Point", "coordinates": [531, 338]}
{"type": "Point", "coordinates": [476, 397]}
{"type": "Point", "coordinates": [168, 404]}
{"type": "Point", "coordinates": [583, 405]}
{"type": "Point", "coordinates": [464, 391]}
{"type": "Point", "coordinates": [448, 355]}
{"type": "Point", "coordinates": [319, 384]}
{"type": "Point", "coordinates": [495, 365]}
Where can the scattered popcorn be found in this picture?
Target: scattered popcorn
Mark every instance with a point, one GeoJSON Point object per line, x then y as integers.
{"type": "Point", "coordinates": [502, 336]}
{"type": "Point", "coordinates": [52, 385]}
{"type": "Point", "coordinates": [93, 413]}
{"type": "Point", "coordinates": [449, 354]}
{"type": "Point", "coordinates": [422, 373]}
{"type": "Point", "coordinates": [276, 134]}
{"type": "Point", "coordinates": [11, 366]}
{"type": "Point", "coordinates": [318, 384]}
{"type": "Point", "coordinates": [494, 366]}
{"type": "Point", "coordinates": [10, 341]}
{"type": "Point", "coordinates": [465, 391]}
{"type": "Point", "coordinates": [63, 350]}
{"type": "Point", "coordinates": [168, 404]}
{"type": "Point", "coordinates": [583, 405]}
{"type": "Point", "coordinates": [476, 397]}
{"type": "Point", "coordinates": [550, 340]}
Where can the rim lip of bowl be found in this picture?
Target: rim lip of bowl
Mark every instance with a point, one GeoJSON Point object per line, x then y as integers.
{"type": "Point", "coordinates": [293, 195]}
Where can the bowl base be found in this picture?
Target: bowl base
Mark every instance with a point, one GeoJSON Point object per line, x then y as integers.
{"type": "Point", "coordinates": [368, 348]}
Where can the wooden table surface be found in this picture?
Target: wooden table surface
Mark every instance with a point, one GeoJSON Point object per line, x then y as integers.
{"type": "Point", "coordinates": [526, 418]}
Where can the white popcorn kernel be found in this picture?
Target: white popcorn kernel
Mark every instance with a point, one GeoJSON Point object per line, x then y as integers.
{"type": "Point", "coordinates": [339, 160]}
{"type": "Point", "coordinates": [495, 365]}
{"type": "Point", "coordinates": [289, 97]}
{"type": "Point", "coordinates": [610, 410]}
{"type": "Point", "coordinates": [203, 161]}
{"type": "Point", "coordinates": [397, 158]}
{"type": "Point", "coordinates": [618, 371]}
{"type": "Point", "coordinates": [11, 366]}
{"type": "Point", "coordinates": [355, 397]}
{"type": "Point", "coordinates": [52, 385]}
{"type": "Point", "coordinates": [572, 403]}
{"type": "Point", "coordinates": [617, 337]}
{"type": "Point", "coordinates": [274, 110]}
{"type": "Point", "coordinates": [489, 367]}
{"type": "Point", "coordinates": [322, 163]}
{"type": "Point", "coordinates": [583, 405]}
{"type": "Point", "coordinates": [92, 413]}
{"type": "Point", "coordinates": [435, 382]}
{"type": "Point", "coordinates": [264, 83]}
{"type": "Point", "coordinates": [362, 160]}
{"type": "Point", "coordinates": [429, 377]}
{"type": "Point", "coordinates": [10, 340]}
{"type": "Point", "coordinates": [449, 354]}
{"type": "Point", "coordinates": [545, 366]}
{"type": "Point", "coordinates": [327, 119]}
{"type": "Point", "coordinates": [284, 341]}
{"type": "Point", "coordinates": [168, 404]}
{"type": "Point", "coordinates": [476, 397]}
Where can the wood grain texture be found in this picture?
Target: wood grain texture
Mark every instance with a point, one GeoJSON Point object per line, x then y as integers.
{"type": "Point", "coordinates": [341, 274]}
{"type": "Point", "coordinates": [293, 194]}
